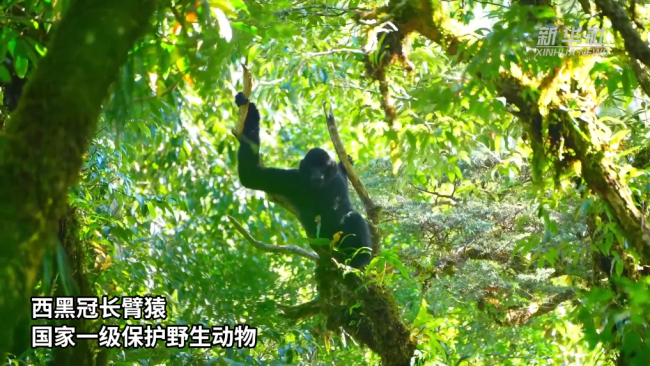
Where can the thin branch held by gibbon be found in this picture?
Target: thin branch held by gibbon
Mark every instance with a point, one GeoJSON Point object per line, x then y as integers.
{"type": "Point", "coordinates": [239, 129]}
{"type": "Point", "coordinates": [243, 110]}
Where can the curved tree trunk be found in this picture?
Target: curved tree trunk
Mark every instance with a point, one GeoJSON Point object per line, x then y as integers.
{"type": "Point", "coordinates": [42, 145]}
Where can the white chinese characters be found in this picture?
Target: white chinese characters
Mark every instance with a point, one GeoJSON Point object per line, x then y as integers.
{"type": "Point", "coordinates": [63, 309]}
{"type": "Point", "coordinates": [573, 43]}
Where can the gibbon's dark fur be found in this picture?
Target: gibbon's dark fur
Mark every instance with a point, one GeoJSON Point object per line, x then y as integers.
{"type": "Point", "coordinates": [317, 187]}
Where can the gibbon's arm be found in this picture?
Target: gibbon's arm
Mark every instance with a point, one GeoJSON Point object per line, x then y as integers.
{"type": "Point", "coordinates": [252, 174]}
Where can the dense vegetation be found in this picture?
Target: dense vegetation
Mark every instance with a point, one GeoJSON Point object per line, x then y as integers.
{"type": "Point", "coordinates": [508, 190]}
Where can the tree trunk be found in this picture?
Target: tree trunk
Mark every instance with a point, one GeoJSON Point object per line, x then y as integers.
{"type": "Point", "coordinates": [42, 145]}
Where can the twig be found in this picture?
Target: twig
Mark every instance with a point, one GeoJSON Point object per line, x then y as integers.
{"type": "Point", "coordinates": [282, 249]}
{"type": "Point", "coordinates": [320, 10]}
{"type": "Point", "coordinates": [156, 96]}
{"type": "Point", "coordinates": [368, 91]}
{"type": "Point", "coordinates": [372, 210]}
{"type": "Point", "coordinates": [482, 2]}
{"type": "Point", "coordinates": [423, 190]}
{"type": "Point", "coordinates": [351, 50]}
{"type": "Point", "coordinates": [462, 359]}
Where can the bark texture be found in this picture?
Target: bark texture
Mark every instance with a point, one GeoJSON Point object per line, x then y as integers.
{"type": "Point", "coordinates": [42, 145]}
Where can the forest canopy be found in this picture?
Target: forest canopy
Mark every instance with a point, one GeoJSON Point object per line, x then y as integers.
{"type": "Point", "coordinates": [499, 152]}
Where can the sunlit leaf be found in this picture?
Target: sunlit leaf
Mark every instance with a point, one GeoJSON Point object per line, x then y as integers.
{"type": "Point", "coordinates": [224, 24]}
{"type": "Point", "coordinates": [21, 65]}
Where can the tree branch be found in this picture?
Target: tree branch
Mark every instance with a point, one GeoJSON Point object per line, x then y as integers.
{"type": "Point", "coordinates": [179, 18]}
{"type": "Point", "coordinates": [319, 10]}
{"type": "Point", "coordinates": [520, 316]}
{"type": "Point", "coordinates": [424, 190]}
{"type": "Point", "coordinates": [430, 20]}
{"type": "Point", "coordinates": [156, 95]}
{"type": "Point", "coordinates": [330, 52]}
{"type": "Point", "coordinates": [343, 157]}
{"type": "Point", "coordinates": [634, 45]}
{"type": "Point", "coordinates": [302, 311]}
{"type": "Point", "coordinates": [642, 76]}
{"type": "Point", "coordinates": [372, 210]}
{"type": "Point", "coordinates": [281, 249]}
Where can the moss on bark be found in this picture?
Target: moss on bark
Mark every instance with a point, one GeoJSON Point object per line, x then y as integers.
{"type": "Point", "coordinates": [42, 145]}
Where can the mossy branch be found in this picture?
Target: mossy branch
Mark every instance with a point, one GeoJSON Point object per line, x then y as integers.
{"type": "Point", "coordinates": [634, 45]}
{"type": "Point", "coordinates": [519, 316]}
{"type": "Point", "coordinates": [281, 249]}
{"type": "Point", "coordinates": [302, 311]}
{"type": "Point", "coordinates": [429, 19]}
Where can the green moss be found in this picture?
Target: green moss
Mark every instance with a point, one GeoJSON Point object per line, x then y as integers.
{"type": "Point", "coordinates": [41, 147]}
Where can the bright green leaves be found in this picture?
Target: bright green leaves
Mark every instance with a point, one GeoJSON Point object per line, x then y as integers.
{"type": "Point", "coordinates": [244, 28]}
{"type": "Point", "coordinates": [20, 50]}
{"type": "Point", "coordinates": [5, 76]}
{"type": "Point", "coordinates": [19, 36]}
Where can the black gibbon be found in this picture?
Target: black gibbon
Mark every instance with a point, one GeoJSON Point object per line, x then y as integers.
{"type": "Point", "coordinates": [319, 187]}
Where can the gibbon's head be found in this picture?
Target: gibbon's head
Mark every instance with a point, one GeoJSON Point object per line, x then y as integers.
{"type": "Point", "coordinates": [318, 167]}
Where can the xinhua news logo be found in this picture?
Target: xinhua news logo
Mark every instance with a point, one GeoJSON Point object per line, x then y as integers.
{"type": "Point", "coordinates": [575, 40]}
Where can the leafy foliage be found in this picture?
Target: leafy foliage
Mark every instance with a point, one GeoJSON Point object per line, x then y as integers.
{"type": "Point", "coordinates": [497, 252]}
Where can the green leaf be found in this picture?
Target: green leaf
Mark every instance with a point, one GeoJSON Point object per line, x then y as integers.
{"type": "Point", "coordinates": [239, 5]}
{"type": "Point", "coordinates": [319, 241]}
{"type": "Point", "coordinates": [451, 138]}
{"type": "Point", "coordinates": [497, 144]}
{"type": "Point", "coordinates": [152, 209]}
{"type": "Point", "coordinates": [625, 80]}
{"type": "Point", "coordinates": [458, 173]}
{"type": "Point", "coordinates": [619, 268]}
{"type": "Point", "coordinates": [121, 233]}
{"type": "Point", "coordinates": [21, 64]}
{"type": "Point", "coordinates": [244, 28]}
{"type": "Point", "coordinates": [144, 128]}
{"type": "Point", "coordinates": [5, 76]}
{"type": "Point", "coordinates": [253, 51]}
{"type": "Point", "coordinates": [11, 44]}
{"type": "Point", "coordinates": [464, 156]}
